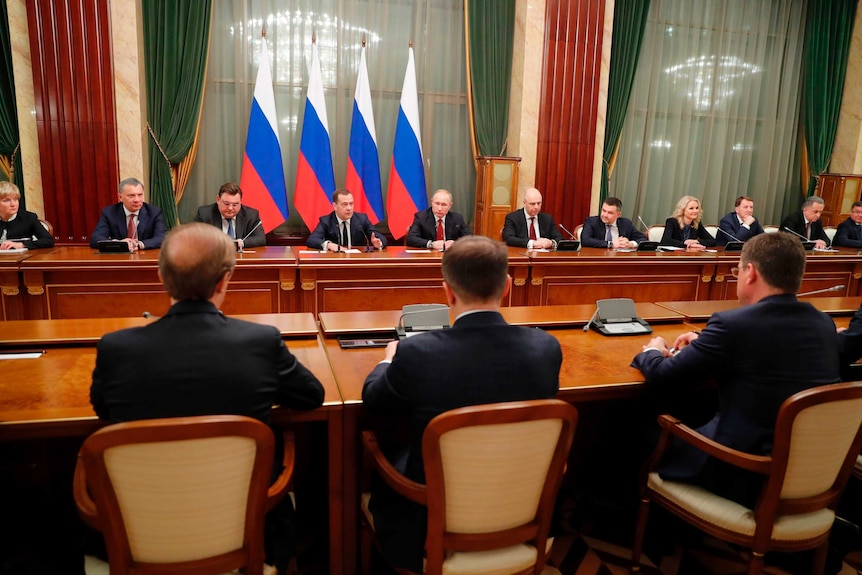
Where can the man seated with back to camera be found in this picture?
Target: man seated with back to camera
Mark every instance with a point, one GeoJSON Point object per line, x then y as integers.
{"type": "Point", "coordinates": [437, 227]}
{"type": "Point", "coordinates": [196, 361]}
{"type": "Point", "coordinates": [343, 228]}
{"type": "Point", "coordinates": [760, 354]}
{"type": "Point", "coordinates": [480, 360]}
{"type": "Point", "coordinates": [609, 230]}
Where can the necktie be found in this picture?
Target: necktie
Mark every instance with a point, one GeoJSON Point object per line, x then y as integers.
{"type": "Point", "coordinates": [230, 230]}
{"type": "Point", "coordinates": [440, 234]}
{"type": "Point", "coordinates": [344, 236]}
{"type": "Point", "coordinates": [533, 229]}
{"type": "Point", "coordinates": [608, 237]}
{"type": "Point", "coordinates": [132, 229]}
{"type": "Point", "coordinates": [3, 236]}
{"type": "Point", "coordinates": [807, 230]}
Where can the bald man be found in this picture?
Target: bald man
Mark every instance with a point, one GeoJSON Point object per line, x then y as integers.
{"type": "Point", "coordinates": [196, 361]}
{"type": "Point", "coordinates": [529, 227]}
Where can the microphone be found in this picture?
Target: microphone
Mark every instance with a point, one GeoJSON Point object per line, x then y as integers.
{"type": "Point", "coordinates": [589, 323]}
{"type": "Point", "coordinates": [571, 235]}
{"type": "Point", "coordinates": [259, 223]}
{"type": "Point", "coordinates": [833, 288]}
{"type": "Point", "coordinates": [804, 239]}
{"type": "Point", "coordinates": [643, 223]}
{"type": "Point", "coordinates": [464, 231]}
{"type": "Point", "coordinates": [368, 247]}
{"type": "Point", "coordinates": [731, 236]}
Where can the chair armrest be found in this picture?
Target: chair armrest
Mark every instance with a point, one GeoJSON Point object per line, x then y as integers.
{"type": "Point", "coordinates": [402, 485]}
{"type": "Point", "coordinates": [757, 463]}
{"type": "Point", "coordinates": [278, 489]}
{"type": "Point", "coordinates": [85, 504]}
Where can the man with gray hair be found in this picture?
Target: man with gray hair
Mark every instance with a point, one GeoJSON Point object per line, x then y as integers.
{"type": "Point", "coordinates": [139, 224]}
{"type": "Point", "coordinates": [806, 223]}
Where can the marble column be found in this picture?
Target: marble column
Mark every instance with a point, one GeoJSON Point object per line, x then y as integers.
{"type": "Point", "coordinates": [847, 152]}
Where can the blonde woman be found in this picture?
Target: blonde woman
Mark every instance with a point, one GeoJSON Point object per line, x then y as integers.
{"type": "Point", "coordinates": [683, 229]}
{"type": "Point", "coordinates": [19, 228]}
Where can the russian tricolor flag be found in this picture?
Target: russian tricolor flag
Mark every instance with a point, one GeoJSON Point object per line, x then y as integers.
{"type": "Point", "coordinates": [407, 194]}
{"type": "Point", "coordinates": [363, 165]}
{"type": "Point", "coordinates": [315, 180]}
{"type": "Point", "coordinates": [262, 179]}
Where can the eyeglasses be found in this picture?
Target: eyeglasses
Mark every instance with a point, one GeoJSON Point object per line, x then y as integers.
{"type": "Point", "coordinates": [231, 205]}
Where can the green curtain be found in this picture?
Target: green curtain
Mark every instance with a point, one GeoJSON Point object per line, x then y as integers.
{"type": "Point", "coordinates": [492, 27]}
{"type": "Point", "coordinates": [9, 138]}
{"type": "Point", "coordinates": [630, 17]}
{"type": "Point", "coordinates": [827, 44]}
{"type": "Point", "coordinates": [176, 43]}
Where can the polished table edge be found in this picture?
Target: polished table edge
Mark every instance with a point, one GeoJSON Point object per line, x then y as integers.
{"type": "Point", "coordinates": [700, 310]}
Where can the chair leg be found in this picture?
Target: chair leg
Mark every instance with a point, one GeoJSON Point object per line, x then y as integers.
{"type": "Point", "coordinates": [640, 531]}
{"type": "Point", "coordinates": [818, 564]}
{"type": "Point", "coordinates": [755, 563]}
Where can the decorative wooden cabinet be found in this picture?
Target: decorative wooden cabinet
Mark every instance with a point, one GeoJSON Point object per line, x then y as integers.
{"type": "Point", "coordinates": [839, 191]}
{"type": "Point", "coordinates": [496, 193]}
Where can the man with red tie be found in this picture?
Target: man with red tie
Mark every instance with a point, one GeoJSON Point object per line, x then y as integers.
{"type": "Point", "coordinates": [806, 223]}
{"type": "Point", "coordinates": [529, 227]}
{"type": "Point", "coordinates": [137, 223]}
{"type": "Point", "coordinates": [437, 227]}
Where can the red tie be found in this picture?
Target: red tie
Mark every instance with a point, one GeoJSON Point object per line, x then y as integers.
{"type": "Point", "coordinates": [132, 230]}
{"type": "Point", "coordinates": [533, 229]}
{"type": "Point", "coordinates": [807, 230]}
{"type": "Point", "coordinates": [440, 235]}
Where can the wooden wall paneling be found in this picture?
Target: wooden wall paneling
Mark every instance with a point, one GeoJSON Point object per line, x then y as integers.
{"type": "Point", "coordinates": [70, 43]}
{"type": "Point", "coordinates": [569, 107]}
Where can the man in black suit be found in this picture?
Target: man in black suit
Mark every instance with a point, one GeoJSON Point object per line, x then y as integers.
{"type": "Point", "coordinates": [140, 225]}
{"type": "Point", "coordinates": [760, 354]}
{"type": "Point", "coordinates": [849, 233]}
{"type": "Point", "coordinates": [343, 228]}
{"type": "Point", "coordinates": [740, 224]}
{"type": "Point", "coordinates": [437, 227]}
{"type": "Point", "coordinates": [530, 227]}
{"type": "Point", "coordinates": [240, 222]}
{"type": "Point", "coordinates": [196, 361]}
{"type": "Point", "coordinates": [481, 359]}
{"type": "Point", "coordinates": [609, 230]}
{"type": "Point", "coordinates": [806, 223]}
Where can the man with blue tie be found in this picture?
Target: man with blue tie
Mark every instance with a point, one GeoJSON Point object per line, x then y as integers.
{"type": "Point", "coordinates": [609, 230]}
{"type": "Point", "coordinates": [849, 233]}
{"type": "Point", "coordinates": [240, 222]}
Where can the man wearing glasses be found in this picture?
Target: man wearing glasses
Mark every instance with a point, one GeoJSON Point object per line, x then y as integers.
{"type": "Point", "coordinates": [240, 222]}
{"type": "Point", "coordinates": [849, 233]}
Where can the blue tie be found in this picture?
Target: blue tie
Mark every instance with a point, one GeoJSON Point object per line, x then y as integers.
{"type": "Point", "coordinates": [230, 231]}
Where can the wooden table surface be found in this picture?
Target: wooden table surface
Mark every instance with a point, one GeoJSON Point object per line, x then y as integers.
{"type": "Point", "coordinates": [702, 310]}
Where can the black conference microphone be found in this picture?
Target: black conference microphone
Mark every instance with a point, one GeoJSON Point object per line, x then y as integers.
{"type": "Point", "coordinates": [833, 288]}
{"type": "Point", "coordinates": [368, 248]}
{"type": "Point", "coordinates": [643, 223]}
{"type": "Point", "coordinates": [259, 223]}
{"type": "Point", "coordinates": [731, 236]}
{"type": "Point", "coordinates": [798, 235]}
{"type": "Point", "coordinates": [465, 231]}
{"type": "Point", "coordinates": [571, 235]}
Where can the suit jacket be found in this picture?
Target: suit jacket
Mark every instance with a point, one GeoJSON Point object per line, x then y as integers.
{"type": "Point", "coordinates": [796, 222]}
{"type": "Point", "coordinates": [424, 228]}
{"type": "Point", "coordinates": [207, 363]}
{"type": "Point", "coordinates": [760, 354]}
{"type": "Point", "coordinates": [360, 229]}
{"type": "Point", "coordinates": [244, 222]}
{"type": "Point", "coordinates": [673, 235]}
{"type": "Point", "coordinates": [848, 235]}
{"type": "Point", "coordinates": [481, 359]}
{"type": "Point", "coordinates": [515, 228]}
{"type": "Point", "coordinates": [593, 233]}
{"type": "Point", "coordinates": [730, 224]}
{"type": "Point", "coordinates": [27, 225]}
{"type": "Point", "coordinates": [113, 226]}
{"type": "Point", "coordinates": [850, 340]}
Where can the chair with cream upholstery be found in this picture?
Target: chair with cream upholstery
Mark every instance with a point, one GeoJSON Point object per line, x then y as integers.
{"type": "Point", "coordinates": [830, 232]}
{"type": "Point", "coordinates": [713, 230]}
{"type": "Point", "coordinates": [181, 495]}
{"type": "Point", "coordinates": [492, 474]}
{"type": "Point", "coordinates": [770, 228]}
{"type": "Point", "coordinates": [578, 230]}
{"type": "Point", "coordinates": [655, 233]}
{"type": "Point", "coordinates": [817, 439]}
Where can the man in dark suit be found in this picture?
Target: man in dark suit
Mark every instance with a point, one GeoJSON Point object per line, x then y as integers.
{"type": "Point", "coordinates": [609, 230]}
{"type": "Point", "coordinates": [530, 227]}
{"type": "Point", "coordinates": [806, 223]}
{"type": "Point", "coordinates": [740, 224]}
{"type": "Point", "coordinates": [849, 232]}
{"type": "Point", "coordinates": [240, 222]}
{"type": "Point", "coordinates": [343, 228]}
{"type": "Point", "coordinates": [481, 359]}
{"type": "Point", "coordinates": [140, 225]}
{"type": "Point", "coordinates": [437, 227]}
{"type": "Point", "coordinates": [196, 361]}
{"type": "Point", "coordinates": [760, 354]}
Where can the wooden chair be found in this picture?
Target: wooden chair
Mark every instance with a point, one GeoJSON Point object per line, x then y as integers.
{"type": "Point", "coordinates": [181, 495]}
{"type": "Point", "coordinates": [817, 439]}
{"type": "Point", "coordinates": [49, 227]}
{"type": "Point", "coordinates": [655, 233]}
{"type": "Point", "coordinates": [492, 475]}
{"type": "Point", "coordinates": [578, 230]}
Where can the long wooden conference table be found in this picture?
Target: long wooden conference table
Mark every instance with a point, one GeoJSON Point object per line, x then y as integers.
{"type": "Point", "coordinates": [77, 282]}
{"type": "Point", "coordinates": [49, 396]}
